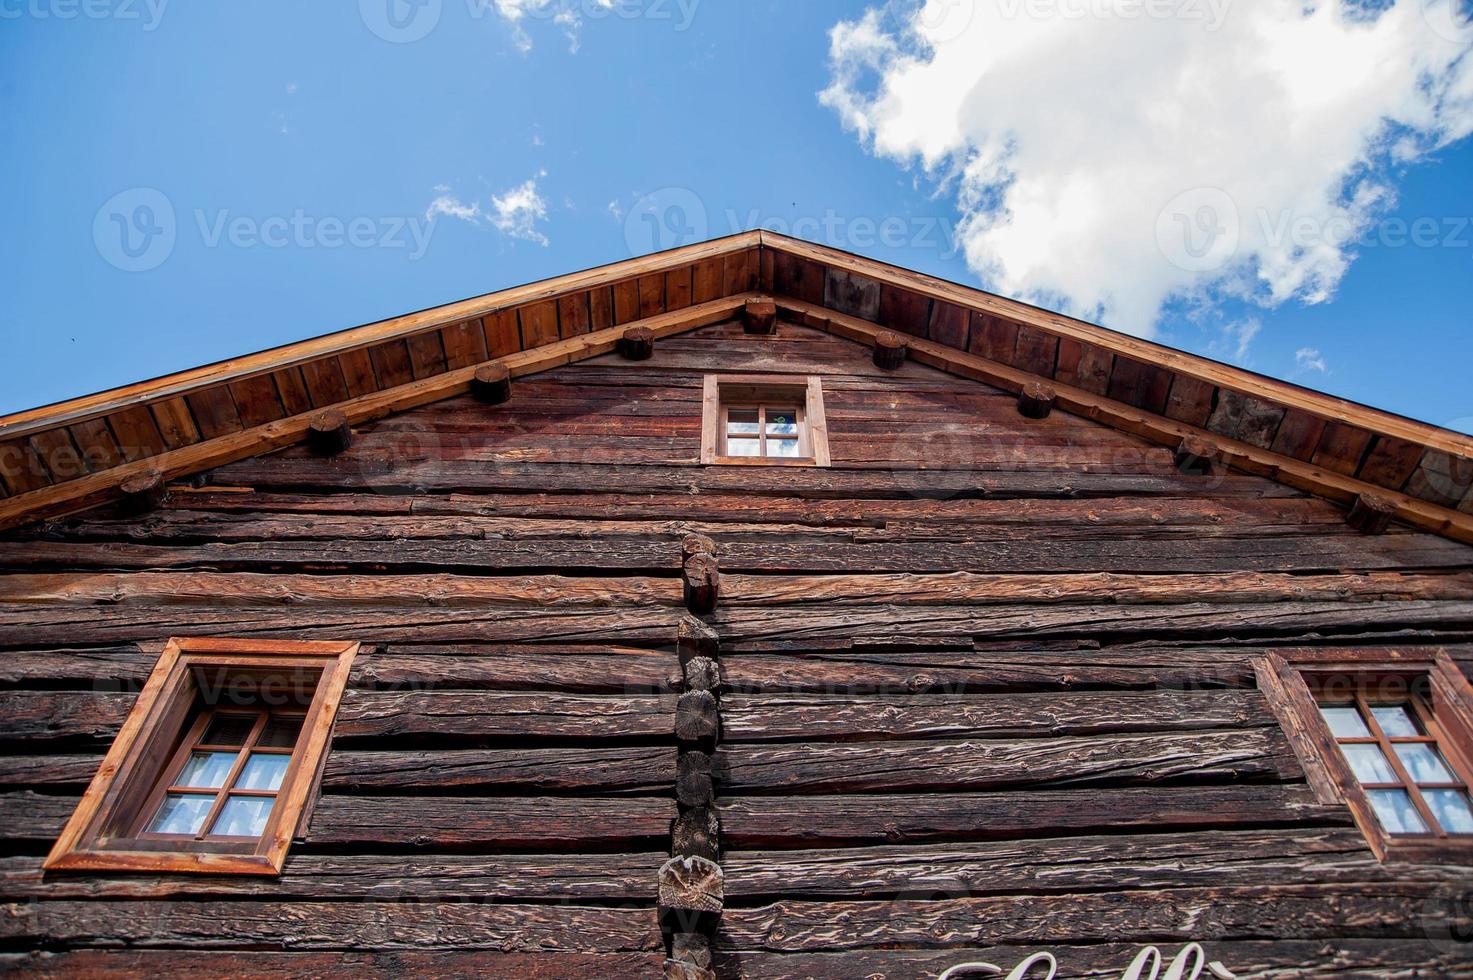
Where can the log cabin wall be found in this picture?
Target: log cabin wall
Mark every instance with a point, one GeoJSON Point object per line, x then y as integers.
{"type": "Point", "coordinates": [988, 688]}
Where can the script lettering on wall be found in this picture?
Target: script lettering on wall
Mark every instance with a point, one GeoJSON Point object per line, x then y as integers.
{"type": "Point", "coordinates": [1189, 964]}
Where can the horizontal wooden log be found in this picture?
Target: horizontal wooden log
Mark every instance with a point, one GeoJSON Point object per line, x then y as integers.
{"type": "Point", "coordinates": [378, 715]}
{"type": "Point", "coordinates": [348, 926]}
{"type": "Point", "coordinates": [601, 771]}
{"type": "Point", "coordinates": [492, 824]}
{"type": "Point", "coordinates": [698, 718]}
{"type": "Point", "coordinates": [296, 473]}
{"type": "Point", "coordinates": [749, 718]}
{"type": "Point", "coordinates": [424, 823]}
{"type": "Point", "coordinates": [349, 877]}
{"type": "Point", "coordinates": [1322, 959]}
{"type": "Point", "coordinates": [62, 716]}
{"type": "Point", "coordinates": [601, 669]}
{"type": "Point", "coordinates": [696, 833]}
{"type": "Point", "coordinates": [438, 963]}
{"type": "Point", "coordinates": [49, 771]}
{"type": "Point", "coordinates": [1176, 915]}
{"type": "Point", "coordinates": [787, 822]}
{"type": "Point", "coordinates": [1113, 760]}
{"type": "Point", "coordinates": [1071, 865]}
{"type": "Point", "coordinates": [787, 629]}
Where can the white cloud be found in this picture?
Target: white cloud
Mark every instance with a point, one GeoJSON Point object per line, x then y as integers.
{"type": "Point", "coordinates": [447, 204]}
{"type": "Point", "coordinates": [1112, 162]}
{"type": "Point", "coordinates": [1310, 359]}
{"type": "Point", "coordinates": [517, 212]}
{"type": "Point", "coordinates": [616, 209]}
{"type": "Point", "coordinates": [1235, 341]}
{"type": "Point", "coordinates": [561, 12]}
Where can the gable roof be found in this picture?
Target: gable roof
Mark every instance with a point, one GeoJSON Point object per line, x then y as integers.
{"type": "Point", "coordinates": [75, 454]}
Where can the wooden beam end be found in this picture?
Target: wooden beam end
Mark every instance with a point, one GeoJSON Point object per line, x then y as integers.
{"type": "Point", "coordinates": [1371, 514]}
{"type": "Point", "coordinates": [492, 384]}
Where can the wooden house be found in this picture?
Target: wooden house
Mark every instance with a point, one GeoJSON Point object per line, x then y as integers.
{"type": "Point", "coordinates": [748, 610]}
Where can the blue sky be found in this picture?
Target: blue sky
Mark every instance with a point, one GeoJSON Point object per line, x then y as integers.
{"type": "Point", "coordinates": [271, 130]}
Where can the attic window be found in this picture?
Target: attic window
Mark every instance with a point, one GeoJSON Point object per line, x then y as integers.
{"type": "Point", "coordinates": [215, 768]}
{"type": "Point", "coordinates": [760, 420]}
{"type": "Point", "coordinates": [1389, 735]}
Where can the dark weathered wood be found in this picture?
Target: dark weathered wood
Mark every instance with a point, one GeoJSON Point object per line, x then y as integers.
{"type": "Point", "coordinates": [890, 351]}
{"type": "Point", "coordinates": [698, 718]}
{"type": "Point", "coordinates": [760, 317]}
{"type": "Point", "coordinates": [693, 782]}
{"type": "Point", "coordinates": [702, 580]}
{"type": "Point", "coordinates": [639, 770]}
{"type": "Point", "coordinates": [453, 714]}
{"type": "Point", "coordinates": [696, 833]}
{"type": "Point", "coordinates": [358, 877]}
{"type": "Point", "coordinates": [637, 344]}
{"type": "Point", "coordinates": [492, 384]}
{"type": "Point", "coordinates": [330, 434]}
{"type": "Point", "coordinates": [1371, 514]}
{"type": "Point", "coordinates": [1196, 456]}
{"type": "Point", "coordinates": [1323, 958]}
{"type": "Point", "coordinates": [674, 969]}
{"type": "Point", "coordinates": [144, 493]}
{"type": "Point", "coordinates": [787, 822]}
{"type": "Point", "coordinates": [333, 925]}
{"type": "Point", "coordinates": [691, 949]}
{"type": "Point", "coordinates": [436, 963]}
{"type": "Point", "coordinates": [1293, 912]}
{"type": "Point", "coordinates": [691, 894]}
{"type": "Point", "coordinates": [703, 674]}
{"type": "Point", "coordinates": [1119, 760]}
{"type": "Point", "coordinates": [695, 639]}
{"type": "Point", "coordinates": [795, 717]}
{"type": "Point", "coordinates": [696, 544]}
{"type": "Point", "coordinates": [1036, 400]}
{"type": "Point", "coordinates": [538, 825]}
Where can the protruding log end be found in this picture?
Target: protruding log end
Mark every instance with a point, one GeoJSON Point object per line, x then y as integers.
{"type": "Point", "coordinates": [698, 718]}
{"type": "Point", "coordinates": [692, 895]}
{"type": "Point", "coordinates": [1036, 400]}
{"type": "Point", "coordinates": [1371, 514]}
{"type": "Point", "coordinates": [637, 344]}
{"type": "Point", "coordinates": [703, 674]}
{"type": "Point", "coordinates": [1196, 456]}
{"type": "Point", "coordinates": [329, 433]}
{"type": "Point", "coordinates": [890, 350]}
{"type": "Point", "coordinates": [696, 544]}
{"type": "Point", "coordinates": [702, 584]}
{"type": "Point", "coordinates": [760, 317]}
{"type": "Point", "coordinates": [696, 833]}
{"type": "Point", "coordinates": [492, 384]}
{"type": "Point", "coordinates": [694, 784]}
{"type": "Point", "coordinates": [143, 493]}
{"type": "Point", "coordinates": [692, 950]}
{"type": "Point", "coordinates": [696, 639]}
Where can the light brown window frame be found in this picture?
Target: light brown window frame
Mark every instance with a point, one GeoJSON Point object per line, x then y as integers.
{"type": "Point", "coordinates": [107, 830]}
{"type": "Point", "coordinates": [724, 392]}
{"type": "Point", "coordinates": [1446, 713]}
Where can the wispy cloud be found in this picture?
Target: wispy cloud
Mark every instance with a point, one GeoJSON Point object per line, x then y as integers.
{"type": "Point", "coordinates": [517, 212]}
{"type": "Point", "coordinates": [1309, 359]}
{"type": "Point", "coordinates": [451, 206]}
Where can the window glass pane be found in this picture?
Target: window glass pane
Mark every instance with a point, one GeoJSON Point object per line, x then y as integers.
{"type": "Point", "coordinates": [1395, 721]}
{"type": "Point", "coordinates": [263, 772]}
{"type": "Point", "coordinates": [243, 816]}
{"type": "Point", "coordinates": [229, 729]}
{"type": "Point", "coordinates": [782, 448]}
{"type": "Point", "coordinates": [1369, 764]}
{"type": "Point", "coordinates": [743, 447]}
{"type": "Point", "coordinates": [1398, 815]}
{"type": "Point", "coordinates": [280, 732]}
{"type": "Point", "coordinates": [742, 422]}
{"type": "Point", "coordinates": [181, 814]}
{"type": "Point", "coordinates": [1450, 807]}
{"type": "Point", "coordinates": [782, 422]}
{"type": "Point", "coordinates": [1345, 722]}
{"type": "Point", "coordinates": [1425, 764]}
{"type": "Point", "coordinates": [207, 770]}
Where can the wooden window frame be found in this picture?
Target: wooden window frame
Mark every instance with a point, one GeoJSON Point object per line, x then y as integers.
{"type": "Point", "coordinates": [105, 832]}
{"type": "Point", "coordinates": [1446, 714]}
{"type": "Point", "coordinates": [723, 392]}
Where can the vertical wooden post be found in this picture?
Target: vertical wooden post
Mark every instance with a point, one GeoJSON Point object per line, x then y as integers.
{"type": "Point", "coordinates": [760, 317]}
